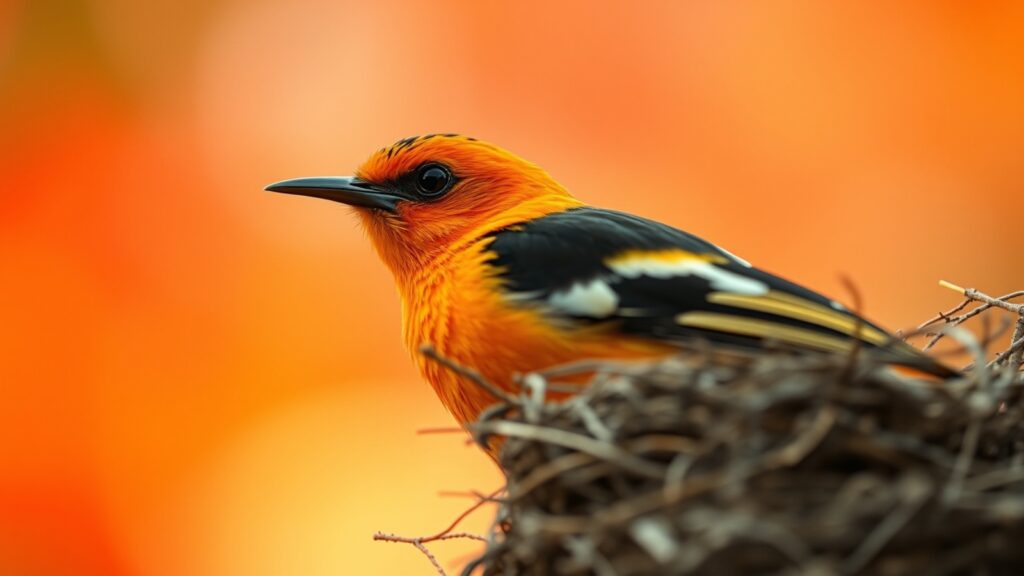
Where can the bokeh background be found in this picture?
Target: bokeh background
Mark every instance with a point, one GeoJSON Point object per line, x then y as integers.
{"type": "Point", "coordinates": [197, 377]}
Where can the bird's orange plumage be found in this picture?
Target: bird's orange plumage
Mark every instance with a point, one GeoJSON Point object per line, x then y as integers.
{"type": "Point", "coordinates": [450, 297]}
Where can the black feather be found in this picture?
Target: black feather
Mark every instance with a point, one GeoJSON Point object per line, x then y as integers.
{"type": "Point", "coordinates": [550, 254]}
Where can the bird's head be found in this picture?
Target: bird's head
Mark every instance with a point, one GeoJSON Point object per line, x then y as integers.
{"type": "Point", "coordinates": [422, 196]}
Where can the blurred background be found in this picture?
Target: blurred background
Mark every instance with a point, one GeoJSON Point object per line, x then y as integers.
{"type": "Point", "coordinates": [198, 377]}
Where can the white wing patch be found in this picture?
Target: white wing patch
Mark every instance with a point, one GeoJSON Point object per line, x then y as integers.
{"type": "Point", "coordinates": [660, 267]}
{"type": "Point", "coordinates": [594, 299]}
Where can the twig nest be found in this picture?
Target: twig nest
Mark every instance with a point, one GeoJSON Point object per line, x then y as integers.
{"type": "Point", "coordinates": [785, 465]}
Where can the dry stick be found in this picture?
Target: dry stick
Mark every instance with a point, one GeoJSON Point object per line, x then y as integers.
{"type": "Point", "coordinates": [445, 534]}
{"type": "Point", "coordinates": [936, 336]}
{"type": "Point", "coordinates": [968, 298]}
{"type": "Point", "coordinates": [945, 316]}
{"type": "Point", "coordinates": [986, 340]}
{"type": "Point", "coordinates": [793, 453]}
{"type": "Point", "coordinates": [971, 294]}
{"type": "Point", "coordinates": [548, 471]}
{"type": "Point", "coordinates": [468, 373]}
{"type": "Point", "coordinates": [969, 445]}
{"type": "Point", "coordinates": [948, 314]}
{"type": "Point", "coordinates": [990, 336]}
{"type": "Point", "coordinates": [478, 379]}
{"type": "Point", "coordinates": [441, 430]}
{"type": "Point", "coordinates": [1015, 357]}
{"type": "Point", "coordinates": [974, 294]}
{"type": "Point", "coordinates": [858, 328]}
{"type": "Point", "coordinates": [555, 468]}
{"type": "Point", "coordinates": [948, 317]}
{"type": "Point", "coordinates": [440, 535]}
{"type": "Point", "coordinates": [995, 479]}
{"type": "Point", "coordinates": [1017, 348]}
{"type": "Point", "coordinates": [914, 496]}
{"type": "Point", "coordinates": [419, 546]}
{"type": "Point", "coordinates": [592, 365]}
{"type": "Point", "coordinates": [602, 450]}
{"type": "Point", "coordinates": [468, 494]}
{"type": "Point", "coordinates": [418, 543]}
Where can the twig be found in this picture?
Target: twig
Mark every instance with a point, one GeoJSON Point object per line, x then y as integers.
{"type": "Point", "coordinates": [915, 494]}
{"type": "Point", "coordinates": [468, 494]}
{"type": "Point", "coordinates": [972, 295]}
{"type": "Point", "coordinates": [995, 479]}
{"type": "Point", "coordinates": [419, 544]}
{"type": "Point", "coordinates": [975, 294]}
{"type": "Point", "coordinates": [445, 534]}
{"type": "Point", "coordinates": [805, 442]}
{"type": "Point", "coordinates": [963, 462]}
{"type": "Point", "coordinates": [1002, 356]}
{"type": "Point", "coordinates": [1016, 351]}
{"type": "Point", "coordinates": [550, 470]}
{"type": "Point", "coordinates": [603, 450]}
{"type": "Point", "coordinates": [381, 537]}
{"type": "Point", "coordinates": [858, 327]}
{"type": "Point", "coordinates": [486, 500]}
{"type": "Point", "coordinates": [441, 430]}
{"type": "Point", "coordinates": [468, 373]}
{"type": "Point", "coordinates": [944, 316]}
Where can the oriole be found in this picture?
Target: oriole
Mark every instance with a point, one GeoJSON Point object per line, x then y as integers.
{"type": "Point", "coordinates": [501, 269]}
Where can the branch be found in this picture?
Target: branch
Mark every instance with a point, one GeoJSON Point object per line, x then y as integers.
{"type": "Point", "coordinates": [974, 295]}
{"type": "Point", "coordinates": [445, 534]}
{"type": "Point", "coordinates": [472, 375]}
{"type": "Point", "coordinates": [418, 543]}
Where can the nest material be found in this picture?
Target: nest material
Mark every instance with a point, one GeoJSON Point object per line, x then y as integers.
{"type": "Point", "coordinates": [783, 465]}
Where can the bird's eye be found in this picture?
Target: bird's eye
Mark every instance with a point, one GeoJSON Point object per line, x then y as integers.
{"type": "Point", "coordinates": [433, 180]}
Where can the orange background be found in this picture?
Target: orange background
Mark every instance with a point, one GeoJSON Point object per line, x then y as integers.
{"type": "Point", "coordinates": [200, 378]}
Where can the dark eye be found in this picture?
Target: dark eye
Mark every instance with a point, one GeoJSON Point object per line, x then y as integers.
{"type": "Point", "coordinates": [433, 180]}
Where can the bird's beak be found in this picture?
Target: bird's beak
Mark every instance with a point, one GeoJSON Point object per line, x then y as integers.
{"type": "Point", "coordinates": [345, 189]}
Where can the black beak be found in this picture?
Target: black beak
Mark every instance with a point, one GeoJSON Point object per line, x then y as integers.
{"type": "Point", "coordinates": [345, 189]}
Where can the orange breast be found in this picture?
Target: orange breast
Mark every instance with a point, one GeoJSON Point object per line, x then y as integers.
{"type": "Point", "coordinates": [457, 306]}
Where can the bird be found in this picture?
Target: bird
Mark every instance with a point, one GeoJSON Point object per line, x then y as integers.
{"type": "Point", "coordinates": [500, 269]}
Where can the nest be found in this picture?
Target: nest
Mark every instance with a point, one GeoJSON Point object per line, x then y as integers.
{"type": "Point", "coordinates": [785, 464]}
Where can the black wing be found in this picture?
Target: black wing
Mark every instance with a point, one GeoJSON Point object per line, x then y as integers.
{"type": "Point", "coordinates": [650, 280]}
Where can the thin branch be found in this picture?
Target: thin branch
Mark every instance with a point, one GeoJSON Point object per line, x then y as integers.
{"type": "Point", "coordinates": [603, 450]}
{"type": "Point", "coordinates": [441, 430]}
{"type": "Point", "coordinates": [915, 494]}
{"type": "Point", "coordinates": [943, 316]}
{"type": "Point", "coordinates": [975, 294]}
{"type": "Point", "coordinates": [1016, 351]}
{"type": "Point", "coordinates": [969, 445]}
{"type": "Point", "coordinates": [445, 534]}
{"type": "Point", "coordinates": [995, 479]}
{"type": "Point", "coordinates": [440, 535]}
{"type": "Point", "coordinates": [970, 295]}
{"type": "Point", "coordinates": [858, 327]}
{"type": "Point", "coordinates": [468, 373]}
{"type": "Point", "coordinates": [419, 544]}
{"type": "Point", "coordinates": [468, 494]}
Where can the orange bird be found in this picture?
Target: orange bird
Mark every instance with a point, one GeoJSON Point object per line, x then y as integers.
{"type": "Point", "coordinates": [501, 269]}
